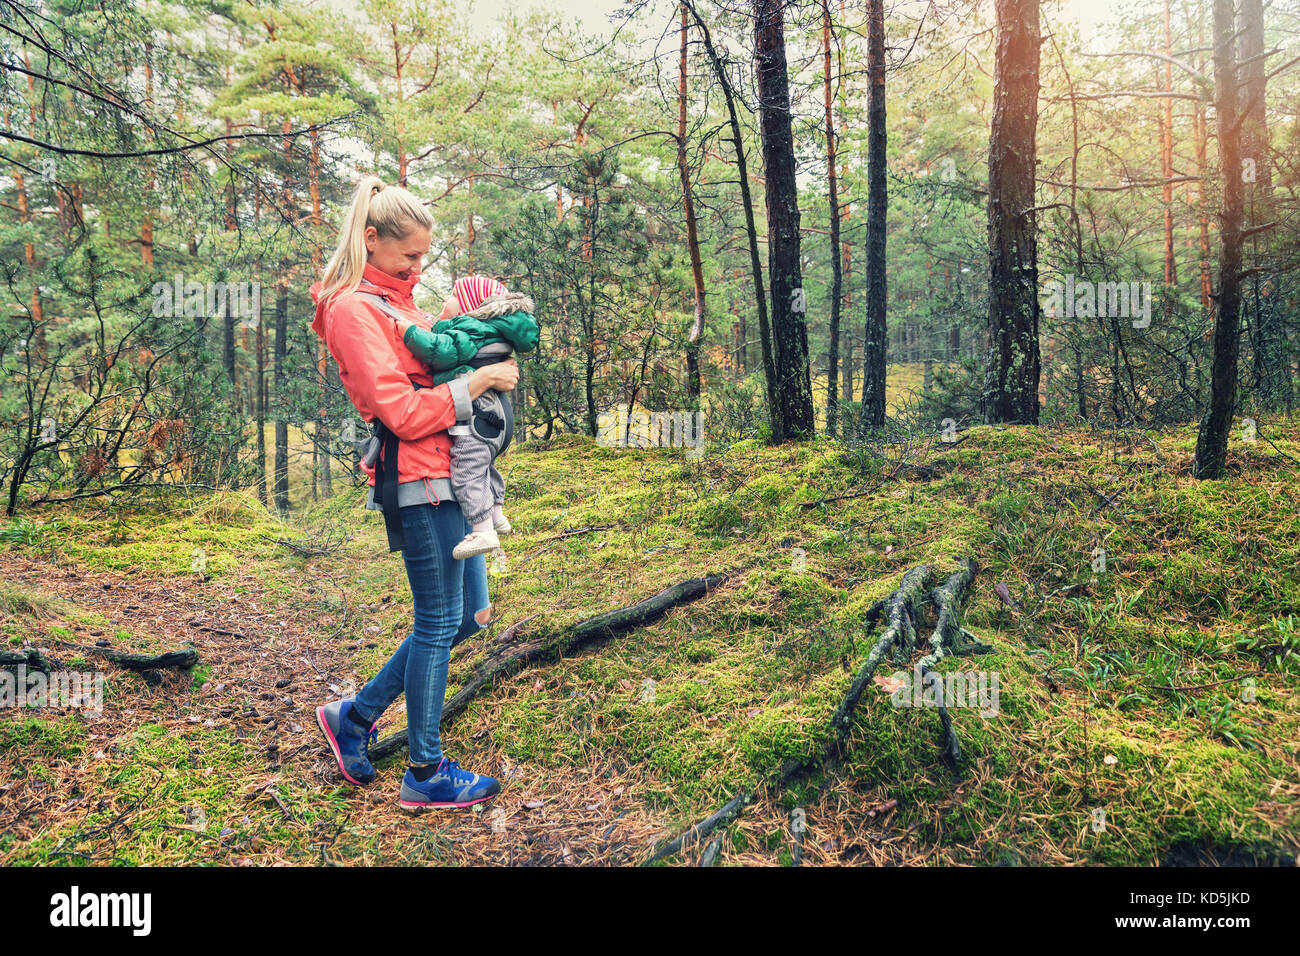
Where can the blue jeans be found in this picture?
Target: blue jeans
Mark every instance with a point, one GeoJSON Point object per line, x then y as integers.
{"type": "Point", "coordinates": [448, 594]}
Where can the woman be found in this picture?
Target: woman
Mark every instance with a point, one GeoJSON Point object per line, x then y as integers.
{"type": "Point", "coordinates": [377, 263]}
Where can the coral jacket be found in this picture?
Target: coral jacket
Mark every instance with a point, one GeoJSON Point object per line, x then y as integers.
{"type": "Point", "coordinates": [379, 373]}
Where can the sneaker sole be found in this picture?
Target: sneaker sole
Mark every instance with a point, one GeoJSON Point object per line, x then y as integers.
{"type": "Point", "coordinates": [334, 746]}
{"type": "Point", "coordinates": [460, 555]}
{"type": "Point", "coordinates": [410, 805]}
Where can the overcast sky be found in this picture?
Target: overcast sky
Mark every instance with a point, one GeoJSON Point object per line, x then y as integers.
{"type": "Point", "coordinates": [594, 14]}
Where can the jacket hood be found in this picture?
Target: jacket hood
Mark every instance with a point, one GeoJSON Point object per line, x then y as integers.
{"type": "Point", "coordinates": [499, 306]}
{"type": "Point", "coordinates": [382, 282]}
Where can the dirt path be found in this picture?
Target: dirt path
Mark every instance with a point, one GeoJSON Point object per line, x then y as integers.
{"type": "Point", "coordinates": [269, 662]}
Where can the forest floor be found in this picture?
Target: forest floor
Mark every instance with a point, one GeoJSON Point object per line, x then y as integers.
{"type": "Point", "coordinates": [1148, 712]}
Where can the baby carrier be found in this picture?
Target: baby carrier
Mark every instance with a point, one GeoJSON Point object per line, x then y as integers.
{"type": "Point", "coordinates": [493, 424]}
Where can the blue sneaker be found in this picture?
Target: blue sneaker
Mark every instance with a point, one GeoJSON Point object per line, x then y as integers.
{"type": "Point", "coordinates": [448, 787]}
{"type": "Point", "coordinates": [351, 744]}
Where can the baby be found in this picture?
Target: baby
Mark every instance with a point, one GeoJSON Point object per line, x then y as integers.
{"type": "Point", "coordinates": [481, 322]}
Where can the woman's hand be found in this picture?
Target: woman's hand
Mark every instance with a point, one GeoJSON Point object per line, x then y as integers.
{"type": "Point", "coordinates": [503, 376]}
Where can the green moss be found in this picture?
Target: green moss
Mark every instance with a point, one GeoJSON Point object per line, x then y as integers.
{"type": "Point", "coordinates": [1143, 662]}
{"type": "Point", "coordinates": [37, 737]}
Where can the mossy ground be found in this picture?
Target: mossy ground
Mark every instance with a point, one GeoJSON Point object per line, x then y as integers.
{"type": "Point", "coordinates": [1157, 694]}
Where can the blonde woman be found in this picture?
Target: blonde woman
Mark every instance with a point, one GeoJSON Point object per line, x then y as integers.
{"type": "Point", "coordinates": [365, 293]}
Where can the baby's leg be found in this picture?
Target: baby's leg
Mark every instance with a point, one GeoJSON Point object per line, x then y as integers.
{"type": "Point", "coordinates": [470, 481]}
{"type": "Point", "coordinates": [498, 486]}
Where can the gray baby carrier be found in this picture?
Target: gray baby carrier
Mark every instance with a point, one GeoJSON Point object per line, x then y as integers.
{"type": "Point", "coordinates": [493, 424]}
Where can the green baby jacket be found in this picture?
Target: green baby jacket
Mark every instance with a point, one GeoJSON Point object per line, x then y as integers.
{"type": "Point", "coordinates": [503, 323]}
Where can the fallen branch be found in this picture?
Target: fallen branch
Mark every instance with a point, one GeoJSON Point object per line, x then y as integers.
{"type": "Point", "coordinates": [313, 545]}
{"type": "Point", "coordinates": [702, 829]}
{"type": "Point", "coordinates": [576, 531]}
{"type": "Point", "coordinates": [216, 630]}
{"type": "Point", "coordinates": [465, 649]}
{"type": "Point", "coordinates": [902, 612]}
{"type": "Point", "coordinates": [138, 662]}
{"type": "Point", "coordinates": [508, 655]}
{"type": "Point", "coordinates": [572, 532]}
{"type": "Point", "coordinates": [1217, 683]}
{"type": "Point", "coordinates": [29, 656]}
{"type": "Point", "coordinates": [826, 501]}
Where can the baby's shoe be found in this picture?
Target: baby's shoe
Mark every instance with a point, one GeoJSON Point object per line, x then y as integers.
{"type": "Point", "coordinates": [476, 542]}
{"type": "Point", "coordinates": [502, 525]}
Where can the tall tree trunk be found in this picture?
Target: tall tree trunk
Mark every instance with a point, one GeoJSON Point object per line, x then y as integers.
{"type": "Point", "coordinates": [1272, 361]}
{"type": "Point", "coordinates": [322, 443]}
{"type": "Point", "coordinates": [1011, 381]}
{"type": "Point", "coordinates": [845, 209]}
{"type": "Point", "coordinates": [232, 223]}
{"type": "Point", "coordinates": [260, 392]}
{"type": "Point", "coordinates": [587, 309]}
{"type": "Point", "coordinates": [228, 343]}
{"type": "Point", "coordinates": [875, 344]}
{"type": "Point", "coordinates": [25, 217]}
{"type": "Point", "coordinates": [281, 372]}
{"type": "Point", "coordinates": [751, 229]}
{"type": "Point", "coordinates": [259, 382]}
{"type": "Point", "coordinates": [1212, 438]}
{"type": "Point", "coordinates": [228, 326]}
{"type": "Point", "coordinates": [146, 227]}
{"type": "Point", "coordinates": [692, 235]}
{"type": "Point", "coordinates": [1200, 137]}
{"type": "Point", "coordinates": [1167, 159]}
{"type": "Point", "coordinates": [793, 415]}
{"type": "Point", "coordinates": [837, 273]}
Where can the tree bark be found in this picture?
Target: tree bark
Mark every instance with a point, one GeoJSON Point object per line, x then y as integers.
{"type": "Point", "coordinates": [1272, 361]}
{"type": "Point", "coordinates": [693, 386]}
{"type": "Point", "coordinates": [1212, 438]}
{"type": "Point", "coordinates": [281, 372]}
{"type": "Point", "coordinates": [1200, 136]}
{"type": "Point", "coordinates": [1167, 157]}
{"type": "Point", "coordinates": [137, 662]}
{"type": "Point", "coordinates": [875, 346]}
{"type": "Point", "coordinates": [837, 273]}
{"type": "Point", "coordinates": [1011, 381]}
{"type": "Point", "coordinates": [751, 229]}
{"type": "Point", "coordinates": [792, 417]}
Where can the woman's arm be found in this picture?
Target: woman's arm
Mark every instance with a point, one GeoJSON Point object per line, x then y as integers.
{"type": "Point", "coordinates": [439, 350]}
{"type": "Point", "coordinates": [369, 368]}
{"type": "Point", "coordinates": [503, 376]}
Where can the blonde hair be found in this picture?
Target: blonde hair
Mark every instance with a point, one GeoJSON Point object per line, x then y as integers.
{"type": "Point", "coordinates": [391, 210]}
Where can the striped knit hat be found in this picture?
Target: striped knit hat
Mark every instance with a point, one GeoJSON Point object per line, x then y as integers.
{"type": "Point", "coordinates": [471, 291]}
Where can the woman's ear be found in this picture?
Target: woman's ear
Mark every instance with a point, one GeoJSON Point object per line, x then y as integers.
{"type": "Point", "coordinates": [372, 238]}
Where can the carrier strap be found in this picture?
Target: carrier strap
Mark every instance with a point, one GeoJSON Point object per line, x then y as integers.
{"type": "Point", "coordinates": [386, 485]}
{"type": "Point", "coordinates": [386, 465]}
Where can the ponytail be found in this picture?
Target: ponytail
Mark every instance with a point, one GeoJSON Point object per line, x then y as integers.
{"type": "Point", "coordinates": [391, 210]}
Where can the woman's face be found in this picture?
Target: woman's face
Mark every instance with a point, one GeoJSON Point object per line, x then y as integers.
{"type": "Point", "coordinates": [399, 258]}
